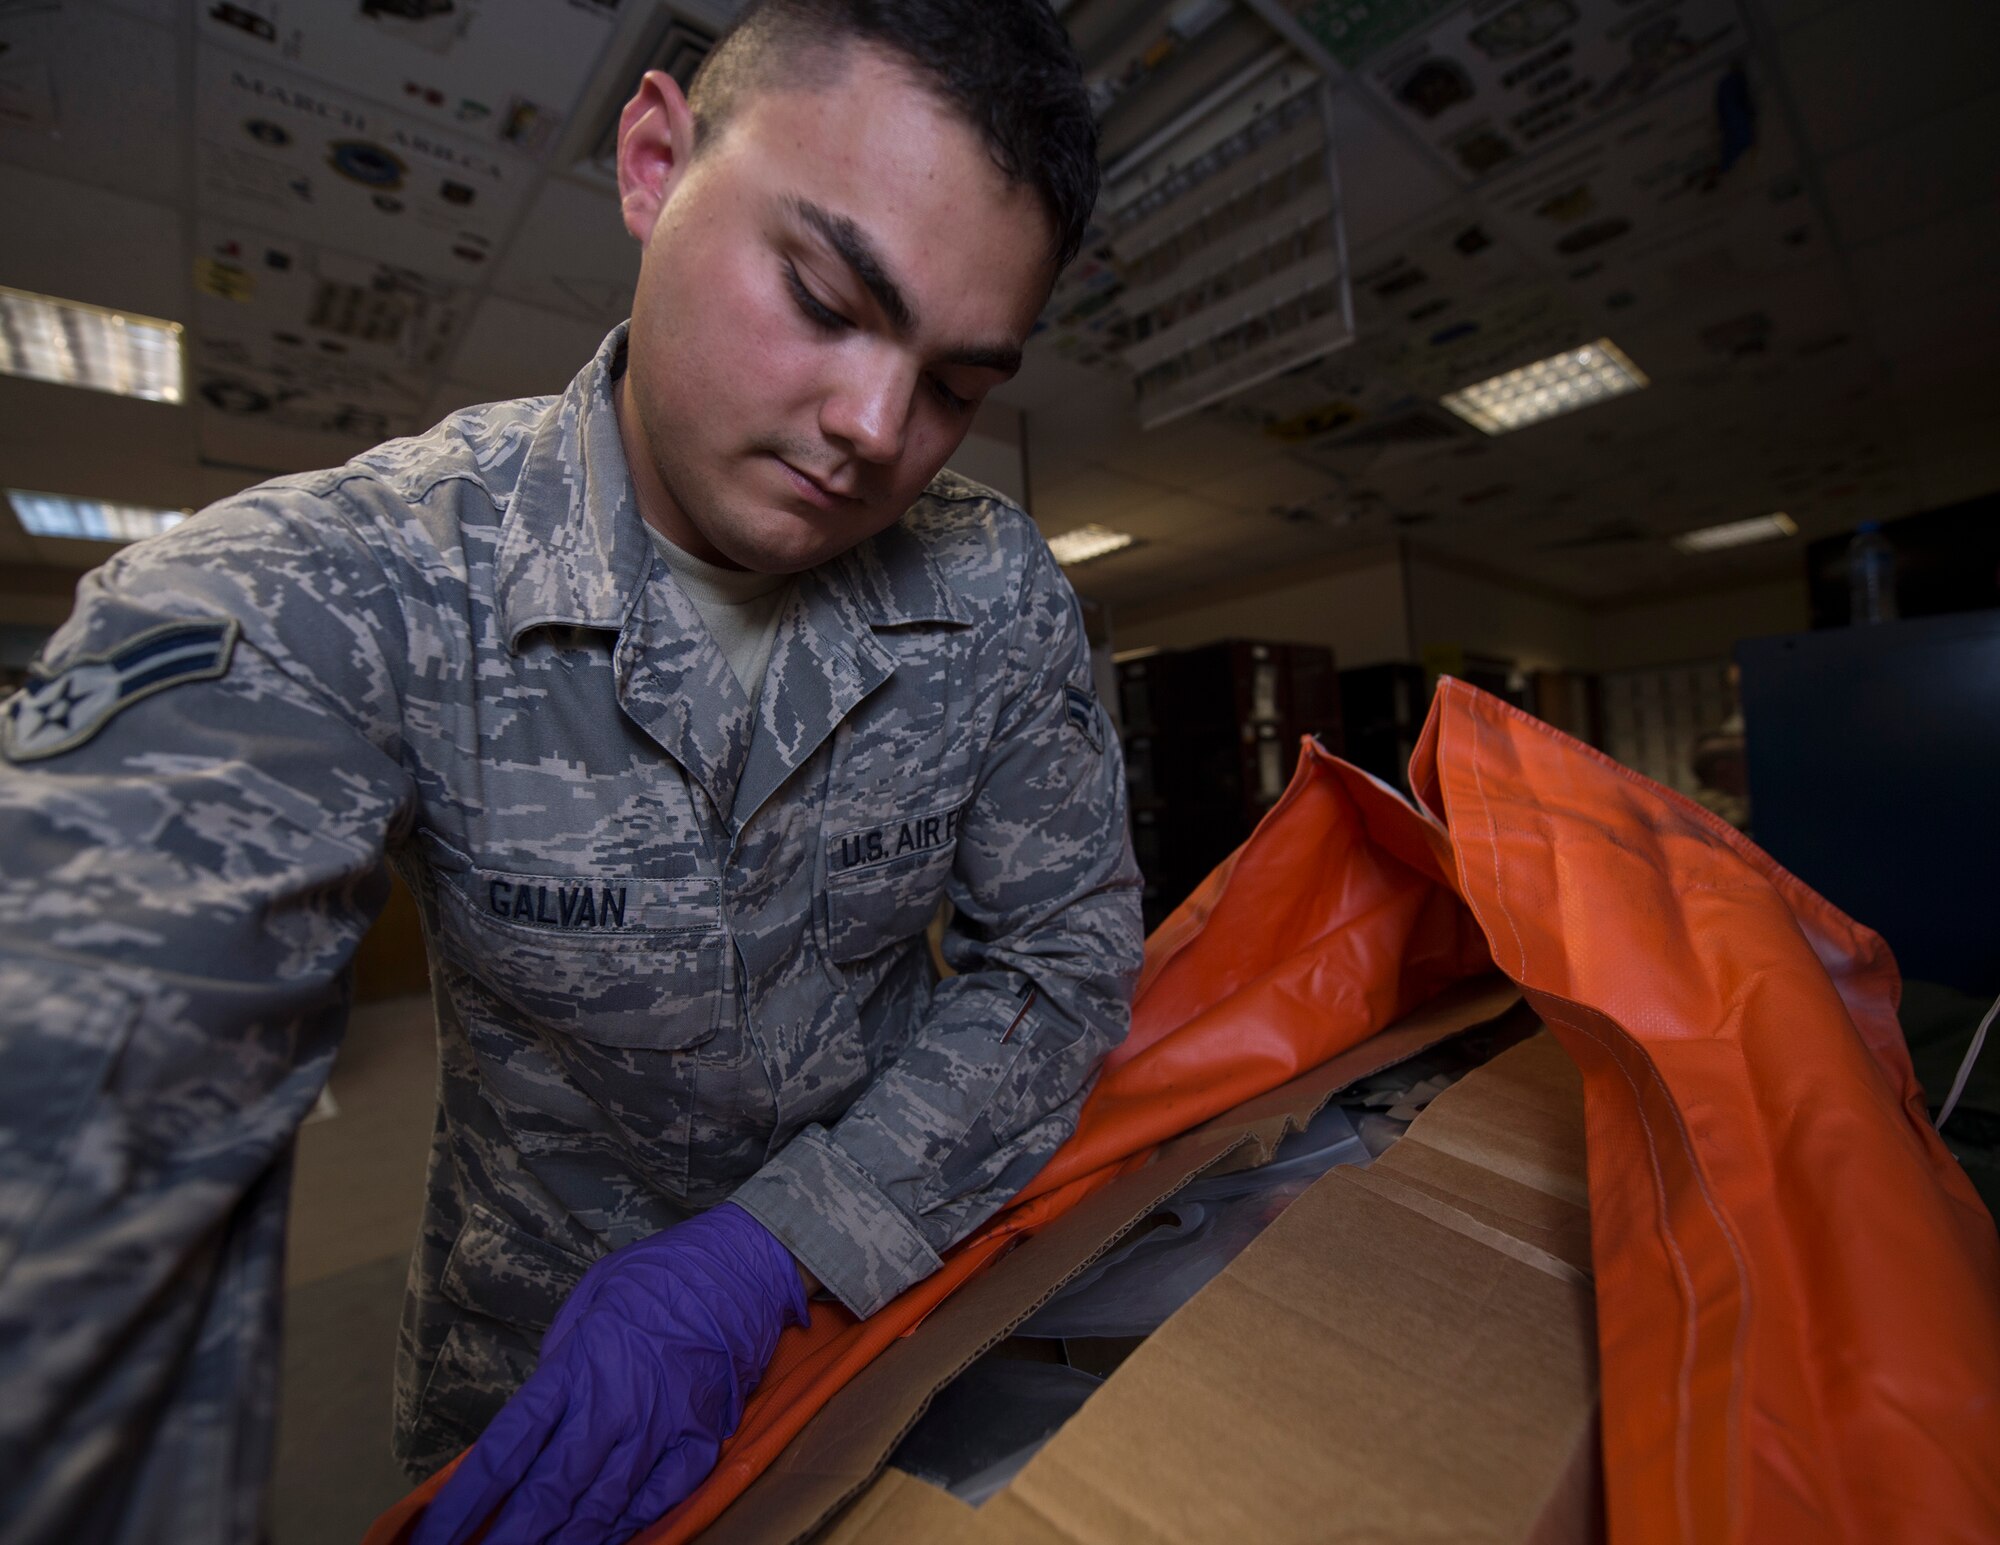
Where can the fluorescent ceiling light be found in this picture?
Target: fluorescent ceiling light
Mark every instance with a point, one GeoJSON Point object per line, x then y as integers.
{"type": "Point", "coordinates": [90, 520]}
{"type": "Point", "coordinates": [1737, 533]}
{"type": "Point", "coordinates": [45, 339]}
{"type": "Point", "coordinates": [1087, 542]}
{"type": "Point", "coordinates": [1561, 383]}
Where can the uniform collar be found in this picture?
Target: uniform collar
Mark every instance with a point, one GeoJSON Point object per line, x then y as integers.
{"type": "Point", "coordinates": [891, 579]}
{"type": "Point", "coordinates": [574, 552]}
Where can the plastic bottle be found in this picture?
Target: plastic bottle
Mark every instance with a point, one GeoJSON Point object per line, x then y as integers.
{"type": "Point", "coordinates": [1871, 575]}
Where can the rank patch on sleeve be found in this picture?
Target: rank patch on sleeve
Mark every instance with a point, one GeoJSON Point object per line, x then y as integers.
{"type": "Point", "coordinates": [1081, 708]}
{"type": "Point", "coordinates": [59, 713]}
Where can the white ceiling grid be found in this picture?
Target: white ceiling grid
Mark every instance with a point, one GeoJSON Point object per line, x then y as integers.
{"type": "Point", "coordinates": [373, 211]}
{"type": "Point", "coordinates": [340, 185]}
{"type": "Point", "coordinates": [1626, 168]}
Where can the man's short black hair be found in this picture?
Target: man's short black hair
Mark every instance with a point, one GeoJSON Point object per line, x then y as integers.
{"type": "Point", "coordinates": [1005, 65]}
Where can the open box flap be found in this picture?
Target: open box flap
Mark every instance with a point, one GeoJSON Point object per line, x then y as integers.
{"type": "Point", "coordinates": [847, 1444]}
{"type": "Point", "coordinates": [1376, 1365]}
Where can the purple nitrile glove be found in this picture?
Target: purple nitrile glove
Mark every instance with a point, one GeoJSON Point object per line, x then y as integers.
{"type": "Point", "coordinates": [643, 1374]}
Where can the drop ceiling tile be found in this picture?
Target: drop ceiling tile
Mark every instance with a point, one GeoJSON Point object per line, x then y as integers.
{"type": "Point", "coordinates": [1956, 467]}
{"type": "Point", "coordinates": [1087, 494]}
{"type": "Point", "coordinates": [1071, 411]}
{"type": "Point", "coordinates": [1184, 453]}
{"type": "Point", "coordinates": [511, 350]}
{"type": "Point", "coordinates": [1181, 522]}
{"type": "Point", "coordinates": [258, 448]}
{"type": "Point", "coordinates": [572, 254]}
{"type": "Point", "coordinates": [84, 243]}
{"type": "Point", "coordinates": [1859, 72]}
{"type": "Point", "coordinates": [1935, 339]}
{"type": "Point", "coordinates": [93, 96]}
{"type": "Point", "coordinates": [16, 548]}
{"type": "Point", "coordinates": [85, 438]}
{"type": "Point", "coordinates": [1919, 174]}
{"type": "Point", "coordinates": [1962, 248]}
{"type": "Point", "coordinates": [1278, 479]}
{"type": "Point", "coordinates": [1786, 14]}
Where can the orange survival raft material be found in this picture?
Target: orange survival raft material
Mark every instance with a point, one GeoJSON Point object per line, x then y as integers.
{"type": "Point", "coordinates": [1798, 1290]}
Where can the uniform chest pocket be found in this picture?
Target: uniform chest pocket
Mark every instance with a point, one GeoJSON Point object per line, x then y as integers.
{"type": "Point", "coordinates": [628, 963]}
{"type": "Point", "coordinates": [883, 882]}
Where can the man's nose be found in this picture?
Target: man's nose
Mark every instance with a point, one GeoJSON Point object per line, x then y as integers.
{"type": "Point", "coordinates": [868, 405]}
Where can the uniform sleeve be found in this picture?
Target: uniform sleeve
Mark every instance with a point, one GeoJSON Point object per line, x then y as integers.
{"type": "Point", "coordinates": [1047, 942]}
{"type": "Point", "coordinates": [195, 793]}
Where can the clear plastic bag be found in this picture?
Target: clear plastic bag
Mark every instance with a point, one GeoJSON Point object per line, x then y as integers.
{"type": "Point", "coordinates": [1196, 1232]}
{"type": "Point", "coordinates": [988, 1422]}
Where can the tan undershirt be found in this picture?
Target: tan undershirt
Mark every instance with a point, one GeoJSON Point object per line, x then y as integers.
{"type": "Point", "coordinates": [740, 608]}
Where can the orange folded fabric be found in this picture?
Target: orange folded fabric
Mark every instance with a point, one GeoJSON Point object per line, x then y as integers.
{"type": "Point", "coordinates": [1798, 1290]}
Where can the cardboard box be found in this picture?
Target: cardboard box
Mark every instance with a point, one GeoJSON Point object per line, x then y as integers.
{"type": "Point", "coordinates": [1408, 1352]}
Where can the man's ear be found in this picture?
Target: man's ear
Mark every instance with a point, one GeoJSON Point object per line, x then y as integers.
{"type": "Point", "coordinates": [655, 144]}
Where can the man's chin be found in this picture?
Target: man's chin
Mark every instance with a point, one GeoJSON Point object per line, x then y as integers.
{"type": "Point", "coordinates": [782, 544]}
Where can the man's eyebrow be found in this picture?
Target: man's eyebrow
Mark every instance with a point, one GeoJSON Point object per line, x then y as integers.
{"type": "Point", "coordinates": [996, 357]}
{"type": "Point", "coordinates": [854, 248]}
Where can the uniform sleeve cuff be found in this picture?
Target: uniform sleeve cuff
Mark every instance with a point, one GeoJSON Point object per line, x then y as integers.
{"type": "Point", "coordinates": [828, 1213]}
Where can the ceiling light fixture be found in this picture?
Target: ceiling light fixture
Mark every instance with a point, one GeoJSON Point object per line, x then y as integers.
{"type": "Point", "coordinates": [89, 520]}
{"type": "Point", "coordinates": [71, 344]}
{"type": "Point", "coordinates": [1086, 543]}
{"type": "Point", "coordinates": [1561, 383]}
{"type": "Point", "coordinates": [1737, 533]}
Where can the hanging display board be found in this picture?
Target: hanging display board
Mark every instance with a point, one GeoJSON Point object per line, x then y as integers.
{"type": "Point", "coordinates": [492, 72]}
{"type": "Point", "coordinates": [332, 169]}
{"type": "Point", "coordinates": [1227, 249]}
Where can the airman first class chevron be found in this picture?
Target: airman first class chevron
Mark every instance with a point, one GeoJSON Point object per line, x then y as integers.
{"type": "Point", "coordinates": [58, 713]}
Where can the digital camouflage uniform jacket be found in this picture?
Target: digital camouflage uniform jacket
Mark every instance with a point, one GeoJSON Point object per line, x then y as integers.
{"type": "Point", "coordinates": [676, 939]}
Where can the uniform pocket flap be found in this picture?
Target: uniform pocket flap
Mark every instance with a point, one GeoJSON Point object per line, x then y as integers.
{"type": "Point", "coordinates": [505, 1273]}
{"type": "Point", "coordinates": [633, 964]}
{"type": "Point", "coordinates": [884, 882]}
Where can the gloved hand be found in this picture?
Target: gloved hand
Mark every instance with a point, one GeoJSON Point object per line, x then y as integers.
{"type": "Point", "coordinates": [643, 1374]}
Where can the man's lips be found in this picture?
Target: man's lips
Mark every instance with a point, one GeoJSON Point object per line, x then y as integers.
{"type": "Point", "coordinates": [813, 490]}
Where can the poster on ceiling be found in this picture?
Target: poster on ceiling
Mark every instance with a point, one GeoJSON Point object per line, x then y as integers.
{"type": "Point", "coordinates": [496, 72]}
{"type": "Point", "coordinates": [1323, 398]}
{"type": "Point", "coordinates": [326, 167]}
{"type": "Point", "coordinates": [295, 337]}
{"type": "Point", "coordinates": [1698, 190]}
{"type": "Point", "coordinates": [1421, 281]}
{"type": "Point", "coordinates": [1354, 31]}
{"type": "Point", "coordinates": [1497, 81]}
{"type": "Point", "coordinates": [1529, 322]}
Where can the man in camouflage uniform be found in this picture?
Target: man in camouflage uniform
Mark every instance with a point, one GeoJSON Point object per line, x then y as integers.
{"type": "Point", "coordinates": [675, 918]}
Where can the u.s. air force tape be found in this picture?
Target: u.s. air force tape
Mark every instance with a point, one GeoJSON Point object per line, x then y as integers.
{"type": "Point", "coordinates": [58, 713]}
